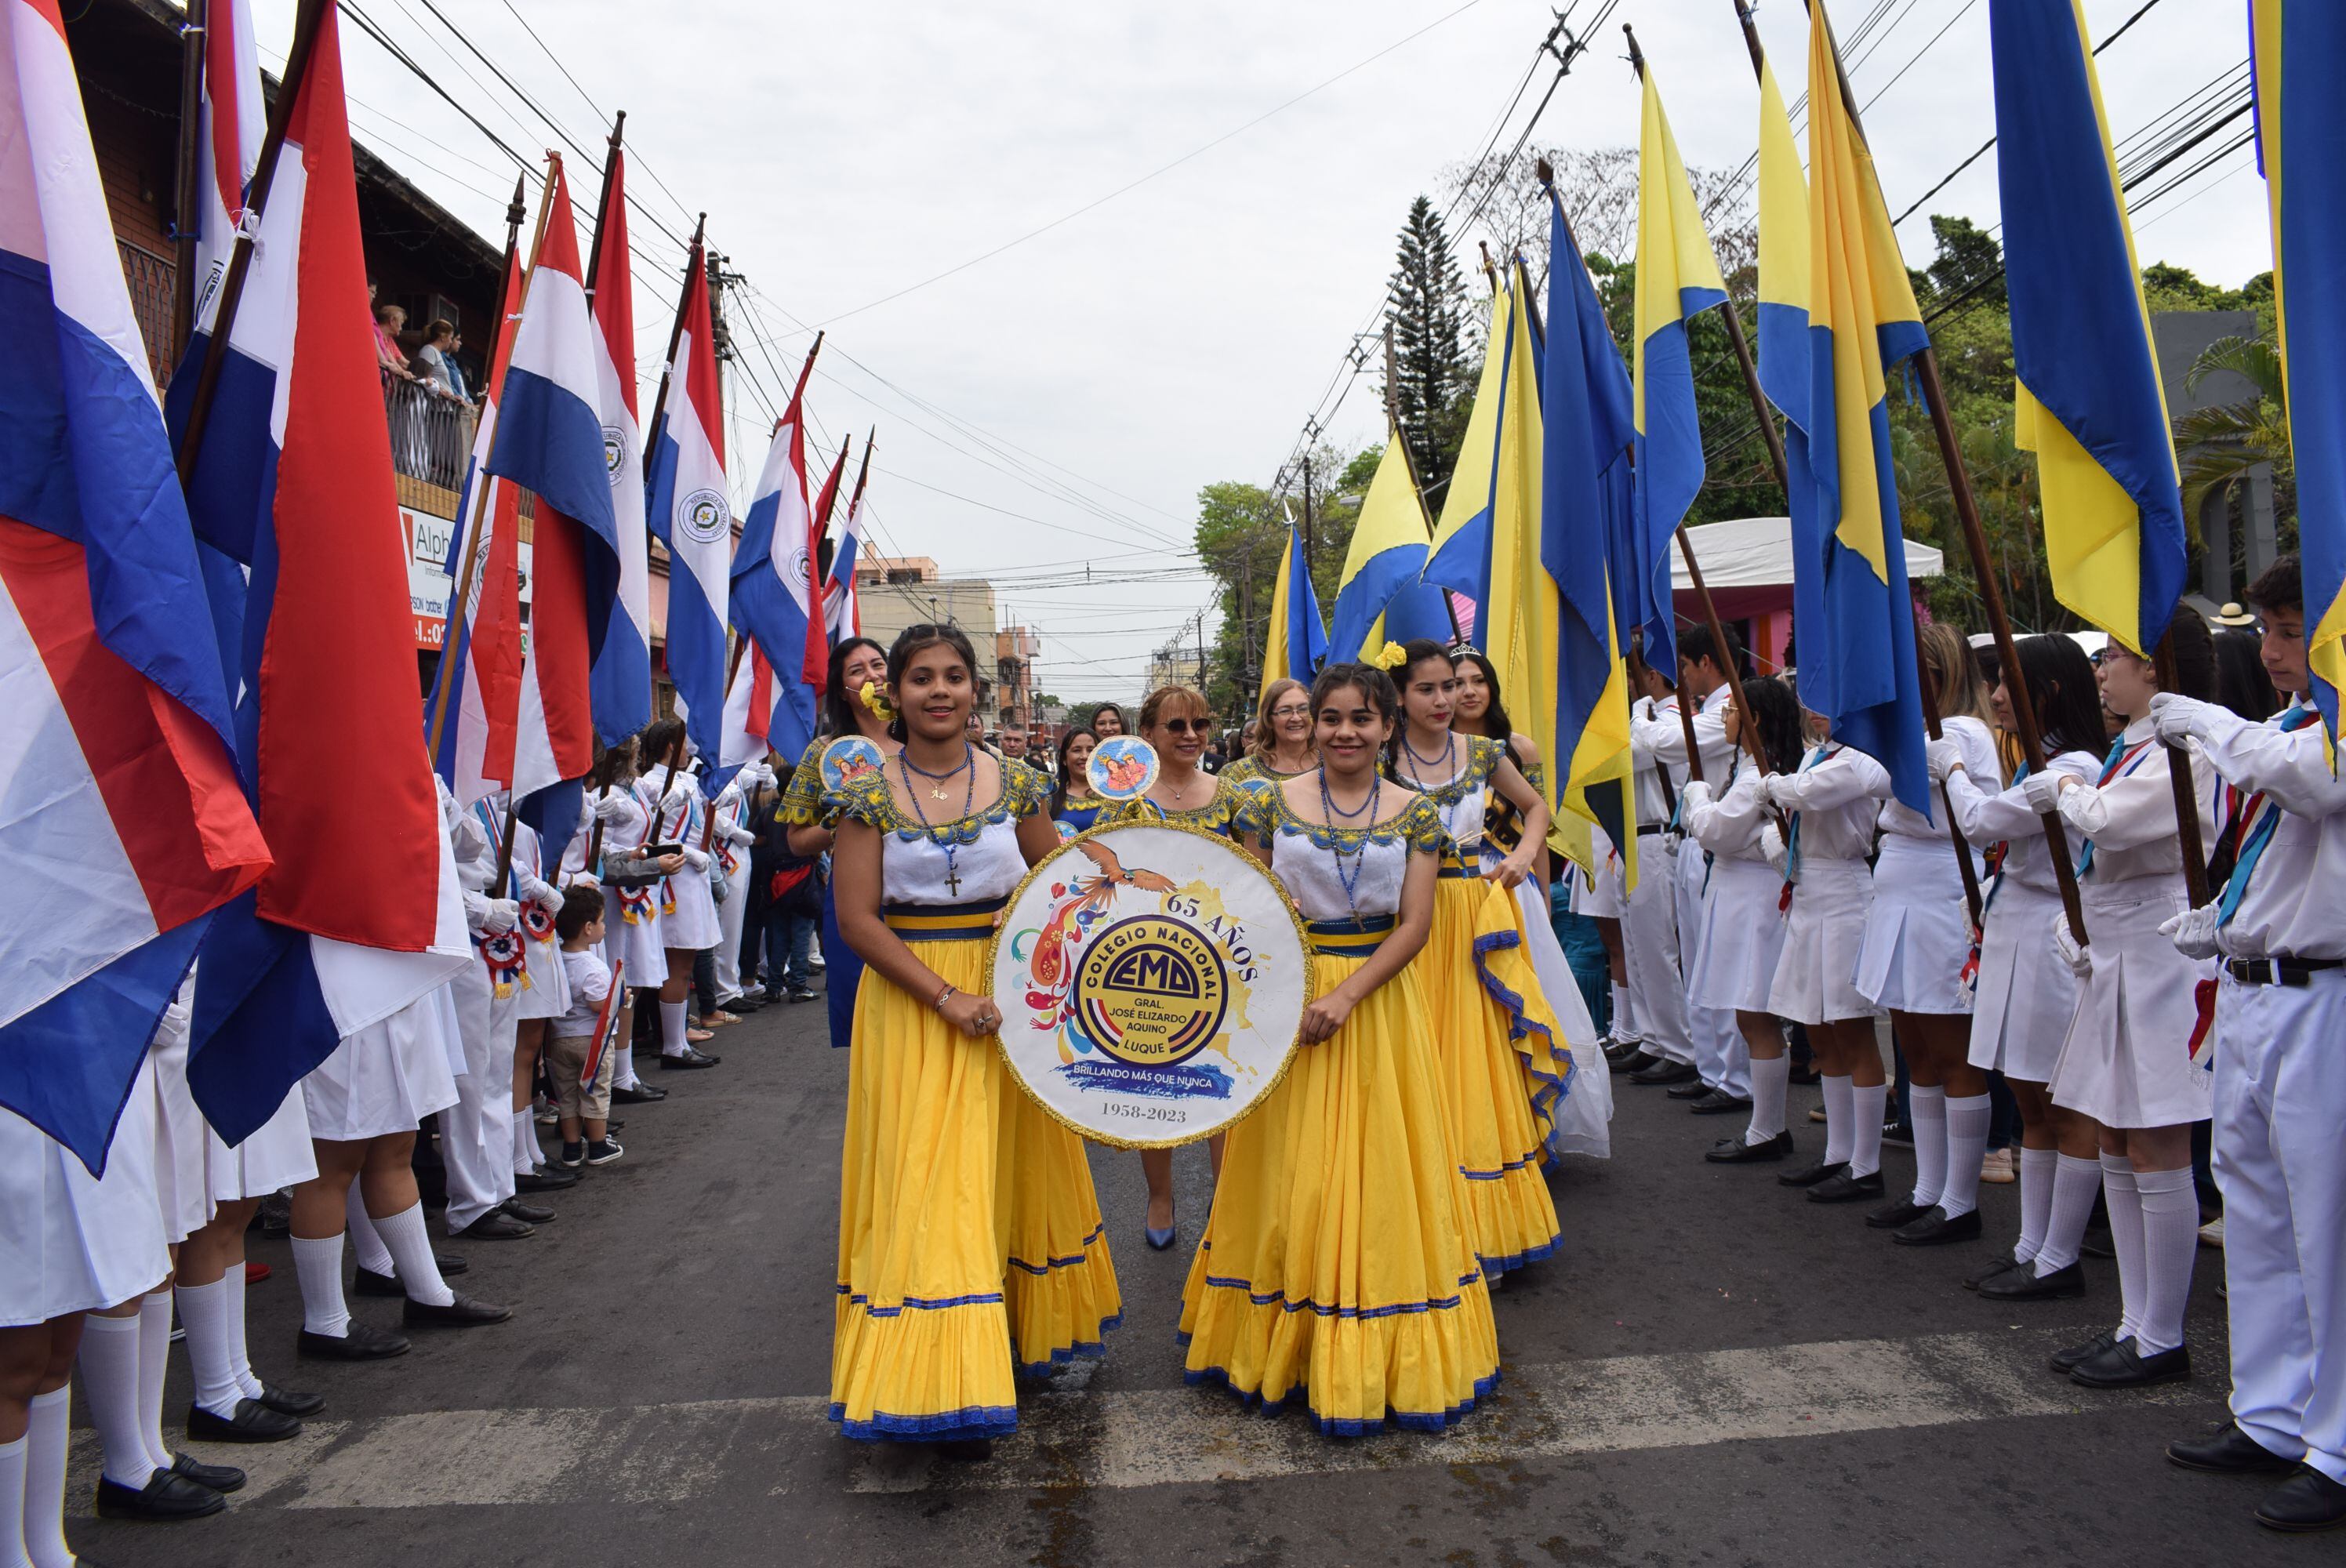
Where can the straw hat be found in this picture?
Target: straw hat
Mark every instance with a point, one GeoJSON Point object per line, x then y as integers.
{"type": "Point", "coordinates": [2233, 614]}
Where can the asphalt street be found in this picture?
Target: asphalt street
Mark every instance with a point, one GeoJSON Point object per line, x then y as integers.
{"type": "Point", "coordinates": [1712, 1371]}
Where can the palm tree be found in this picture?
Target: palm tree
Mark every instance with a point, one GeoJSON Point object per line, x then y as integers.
{"type": "Point", "coordinates": [2218, 447]}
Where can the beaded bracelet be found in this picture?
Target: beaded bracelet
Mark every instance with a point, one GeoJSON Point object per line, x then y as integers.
{"type": "Point", "coordinates": [944, 996]}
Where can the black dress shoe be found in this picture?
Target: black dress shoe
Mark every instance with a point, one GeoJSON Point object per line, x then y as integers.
{"type": "Point", "coordinates": [1619, 1051]}
{"type": "Point", "coordinates": [1736, 1152]}
{"type": "Point", "coordinates": [636, 1094]}
{"type": "Point", "coordinates": [449, 1264]}
{"type": "Point", "coordinates": [2305, 1503]}
{"type": "Point", "coordinates": [1895, 1215]}
{"type": "Point", "coordinates": [287, 1402]}
{"type": "Point", "coordinates": [2228, 1450]}
{"type": "Point", "coordinates": [2022, 1284]}
{"type": "Point", "coordinates": [1804, 1075]}
{"type": "Point", "coordinates": [688, 1058]}
{"type": "Point", "coordinates": [252, 1422]}
{"type": "Point", "coordinates": [1695, 1089]}
{"type": "Point", "coordinates": [2069, 1357]}
{"type": "Point", "coordinates": [219, 1478]}
{"type": "Point", "coordinates": [168, 1496]}
{"type": "Point", "coordinates": [1718, 1104]}
{"type": "Point", "coordinates": [1997, 1266]}
{"type": "Point", "coordinates": [1810, 1174]}
{"type": "Point", "coordinates": [2123, 1367]}
{"type": "Point", "coordinates": [1639, 1061]}
{"type": "Point", "coordinates": [527, 1213]}
{"type": "Point", "coordinates": [498, 1225]}
{"type": "Point", "coordinates": [1847, 1188]}
{"type": "Point", "coordinates": [361, 1343]}
{"type": "Point", "coordinates": [1936, 1229]}
{"type": "Point", "coordinates": [464, 1312]}
{"type": "Point", "coordinates": [552, 1180]}
{"type": "Point", "coordinates": [1664, 1072]}
{"type": "Point", "coordinates": [370, 1283]}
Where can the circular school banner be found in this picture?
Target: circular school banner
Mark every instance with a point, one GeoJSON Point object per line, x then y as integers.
{"type": "Point", "coordinates": [1152, 979]}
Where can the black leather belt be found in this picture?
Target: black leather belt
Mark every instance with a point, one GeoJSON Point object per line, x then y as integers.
{"type": "Point", "coordinates": [1646, 827]}
{"type": "Point", "coordinates": [2280, 970]}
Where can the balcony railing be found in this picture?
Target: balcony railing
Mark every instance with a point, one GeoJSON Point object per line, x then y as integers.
{"type": "Point", "coordinates": [152, 280]}
{"type": "Point", "coordinates": [431, 435]}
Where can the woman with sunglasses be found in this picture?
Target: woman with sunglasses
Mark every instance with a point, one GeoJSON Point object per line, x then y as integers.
{"type": "Point", "coordinates": [1282, 746]}
{"type": "Point", "coordinates": [1176, 720]}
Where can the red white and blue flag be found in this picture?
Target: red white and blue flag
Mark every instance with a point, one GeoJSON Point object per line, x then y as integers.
{"type": "Point", "coordinates": [772, 592]}
{"type": "Point", "coordinates": [123, 825]}
{"type": "Point", "coordinates": [817, 641]}
{"type": "Point", "coordinates": [842, 612]}
{"type": "Point", "coordinates": [361, 914]}
{"type": "Point", "coordinates": [756, 714]}
{"type": "Point", "coordinates": [689, 510]}
{"type": "Point", "coordinates": [228, 138]}
{"type": "Point", "coordinates": [623, 664]}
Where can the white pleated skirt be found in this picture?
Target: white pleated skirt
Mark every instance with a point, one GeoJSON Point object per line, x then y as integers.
{"type": "Point", "coordinates": [183, 1194]}
{"type": "Point", "coordinates": [1824, 931]}
{"type": "Point", "coordinates": [548, 992]}
{"type": "Point", "coordinates": [388, 1076]}
{"type": "Point", "coordinates": [642, 948]}
{"type": "Point", "coordinates": [1742, 935]}
{"type": "Point", "coordinates": [277, 1155]}
{"type": "Point", "coordinates": [2127, 1058]}
{"type": "Point", "coordinates": [693, 925]}
{"type": "Point", "coordinates": [72, 1242]}
{"type": "Point", "coordinates": [1919, 934]}
{"type": "Point", "coordinates": [1584, 1118]}
{"type": "Point", "coordinates": [2026, 995]}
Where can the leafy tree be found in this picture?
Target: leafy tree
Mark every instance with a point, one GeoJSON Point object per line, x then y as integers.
{"type": "Point", "coordinates": [1432, 375]}
{"type": "Point", "coordinates": [2218, 446]}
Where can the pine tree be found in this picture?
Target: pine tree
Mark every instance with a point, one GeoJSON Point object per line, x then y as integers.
{"type": "Point", "coordinates": [1433, 380]}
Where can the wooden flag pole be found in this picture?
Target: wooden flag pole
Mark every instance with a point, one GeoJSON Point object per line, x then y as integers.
{"type": "Point", "coordinates": [2179, 774]}
{"type": "Point", "coordinates": [693, 264]}
{"type": "Point", "coordinates": [187, 227]}
{"type": "Point", "coordinates": [603, 201]}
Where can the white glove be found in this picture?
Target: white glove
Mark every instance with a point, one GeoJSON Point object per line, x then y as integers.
{"type": "Point", "coordinates": [767, 777]}
{"type": "Point", "coordinates": [543, 894]}
{"type": "Point", "coordinates": [1696, 793]}
{"type": "Point", "coordinates": [677, 799]}
{"type": "Point", "coordinates": [731, 794]}
{"type": "Point", "coordinates": [741, 836]}
{"type": "Point", "coordinates": [500, 917]}
{"type": "Point", "coordinates": [612, 807]}
{"type": "Point", "coordinates": [2193, 932]}
{"type": "Point", "coordinates": [1946, 757]}
{"type": "Point", "coordinates": [1771, 844]}
{"type": "Point", "coordinates": [696, 859]}
{"type": "Point", "coordinates": [1765, 789]}
{"type": "Point", "coordinates": [2080, 962]}
{"type": "Point", "coordinates": [2178, 719]}
{"type": "Point", "coordinates": [2042, 791]}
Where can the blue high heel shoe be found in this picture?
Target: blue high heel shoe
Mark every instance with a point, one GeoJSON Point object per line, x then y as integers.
{"type": "Point", "coordinates": [1159, 1241]}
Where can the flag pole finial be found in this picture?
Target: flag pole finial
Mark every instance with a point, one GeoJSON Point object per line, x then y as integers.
{"type": "Point", "coordinates": [1637, 55]}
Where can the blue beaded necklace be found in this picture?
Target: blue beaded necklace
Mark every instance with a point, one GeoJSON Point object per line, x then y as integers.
{"type": "Point", "coordinates": [906, 767]}
{"type": "Point", "coordinates": [1335, 845]}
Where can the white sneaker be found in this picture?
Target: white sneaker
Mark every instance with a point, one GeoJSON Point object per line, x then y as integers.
{"type": "Point", "coordinates": [1997, 1167]}
{"type": "Point", "coordinates": [2212, 1233]}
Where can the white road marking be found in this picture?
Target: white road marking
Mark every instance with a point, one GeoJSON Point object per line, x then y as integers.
{"type": "Point", "coordinates": [1070, 1436]}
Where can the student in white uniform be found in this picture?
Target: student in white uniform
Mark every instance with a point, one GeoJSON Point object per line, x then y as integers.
{"type": "Point", "coordinates": [2134, 1059]}
{"type": "Point", "coordinates": [546, 998]}
{"type": "Point", "coordinates": [1831, 801]}
{"type": "Point", "coordinates": [1737, 849]}
{"type": "Point", "coordinates": [688, 910]}
{"type": "Point", "coordinates": [476, 1132]}
{"type": "Point", "coordinates": [633, 944]}
{"type": "Point", "coordinates": [730, 845]}
{"type": "Point", "coordinates": [1917, 944]}
{"type": "Point", "coordinates": [2278, 925]}
{"type": "Point", "coordinates": [1722, 1062]}
{"type": "Point", "coordinates": [2025, 994]}
{"type": "Point", "coordinates": [1650, 1002]}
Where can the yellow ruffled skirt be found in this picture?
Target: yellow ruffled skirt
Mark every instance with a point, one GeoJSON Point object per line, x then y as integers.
{"type": "Point", "coordinates": [970, 1241]}
{"type": "Point", "coordinates": [1496, 1047]}
{"type": "Point", "coordinates": [1336, 1266]}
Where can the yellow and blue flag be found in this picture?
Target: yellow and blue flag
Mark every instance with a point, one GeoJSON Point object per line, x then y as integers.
{"type": "Point", "coordinates": [1857, 658]}
{"type": "Point", "coordinates": [2302, 122]}
{"type": "Point", "coordinates": [1379, 600]}
{"type": "Point", "coordinates": [1678, 278]}
{"type": "Point", "coordinates": [1461, 557]}
{"type": "Point", "coordinates": [1566, 590]}
{"type": "Point", "coordinates": [2088, 401]}
{"type": "Point", "coordinates": [1297, 642]}
{"type": "Point", "coordinates": [1784, 338]}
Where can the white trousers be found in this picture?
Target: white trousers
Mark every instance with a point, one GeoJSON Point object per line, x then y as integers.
{"type": "Point", "coordinates": [730, 913]}
{"type": "Point", "coordinates": [2279, 1101]}
{"type": "Point", "coordinates": [1714, 1043]}
{"type": "Point", "coordinates": [1650, 940]}
{"type": "Point", "coordinates": [476, 1132]}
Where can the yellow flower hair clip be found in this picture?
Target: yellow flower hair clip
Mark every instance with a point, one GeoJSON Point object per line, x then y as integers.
{"type": "Point", "coordinates": [1392, 657]}
{"type": "Point", "coordinates": [873, 699]}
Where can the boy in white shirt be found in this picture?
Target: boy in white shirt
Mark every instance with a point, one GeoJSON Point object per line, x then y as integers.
{"type": "Point", "coordinates": [584, 1103]}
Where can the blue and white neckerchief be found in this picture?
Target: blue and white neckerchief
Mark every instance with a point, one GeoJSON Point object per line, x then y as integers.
{"type": "Point", "coordinates": [2259, 817]}
{"type": "Point", "coordinates": [2123, 758]}
{"type": "Point", "coordinates": [1792, 833]}
{"type": "Point", "coordinates": [1994, 860]}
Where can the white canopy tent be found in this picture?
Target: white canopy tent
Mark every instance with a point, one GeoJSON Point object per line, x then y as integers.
{"type": "Point", "coordinates": [1747, 563]}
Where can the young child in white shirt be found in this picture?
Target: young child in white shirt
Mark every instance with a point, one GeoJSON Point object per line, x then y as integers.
{"type": "Point", "coordinates": [585, 1101]}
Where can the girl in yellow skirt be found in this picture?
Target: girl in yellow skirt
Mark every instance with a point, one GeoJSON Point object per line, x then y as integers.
{"type": "Point", "coordinates": [1493, 1029]}
{"type": "Point", "coordinates": [1176, 720]}
{"type": "Point", "coordinates": [969, 1236]}
{"type": "Point", "coordinates": [1336, 1267]}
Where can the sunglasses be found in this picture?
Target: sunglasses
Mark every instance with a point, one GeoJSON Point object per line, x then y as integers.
{"type": "Point", "coordinates": [1187, 726]}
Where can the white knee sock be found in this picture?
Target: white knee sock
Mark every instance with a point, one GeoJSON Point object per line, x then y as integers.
{"type": "Point", "coordinates": [1865, 1105]}
{"type": "Point", "coordinates": [372, 1255]}
{"type": "Point", "coordinates": [2170, 1240]}
{"type": "Point", "coordinates": [411, 1247]}
{"type": "Point", "coordinates": [1967, 1119]}
{"type": "Point", "coordinates": [2075, 1183]}
{"type": "Point", "coordinates": [1769, 1082]}
{"type": "Point", "coordinates": [2036, 1168]}
{"type": "Point", "coordinates": [622, 1059]}
{"type": "Point", "coordinates": [2126, 1238]}
{"type": "Point", "coordinates": [47, 1442]}
{"type": "Point", "coordinates": [525, 1153]}
{"type": "Point", "coordinates": [110, 1375]}
{"type": "Point", "coordinates": [318, 1265]}
{"type": "Point", "coordinates": [672, 1039]}
{"type": "Point", "coordinates": [12, 1501]}
{"type": "Point", "coordinates": [1927, 1109]}
{"type": "Point", "coordinates": [203, 1309]}
{"type": "Point", "coordinates": [1620, 1028]}
{"type": "Point", "coordinates": [1838, 1125]}
{"type": "Point", "coordinates": [239, 1355]}
{"type": "Point", "coordinates": [154, 1361]}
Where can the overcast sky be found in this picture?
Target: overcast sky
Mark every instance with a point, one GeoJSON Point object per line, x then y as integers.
{"type": "Point", "coordinates": [1064, 400]}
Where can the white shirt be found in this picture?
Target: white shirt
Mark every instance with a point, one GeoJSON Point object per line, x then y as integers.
{"type": "Point", "coordinates": [1988, 817]}
{"type": "Point", "coordinates": [1729, 827]}
{"type": "Point", "coordinates": [1661, 739]}
{"type": "Point", "coordinates": [590, 985]}
{"type": "Point", "coordinates": [2131, 819]}
{"type": "Point", "coordinates": [1977, 746]}
{"type": "Point", "coordinates": [1835, 796]}
{"type": "Point", "coordinates": [2295, 902]}
{"type": "Point", "coordinates": [1651, 806]}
